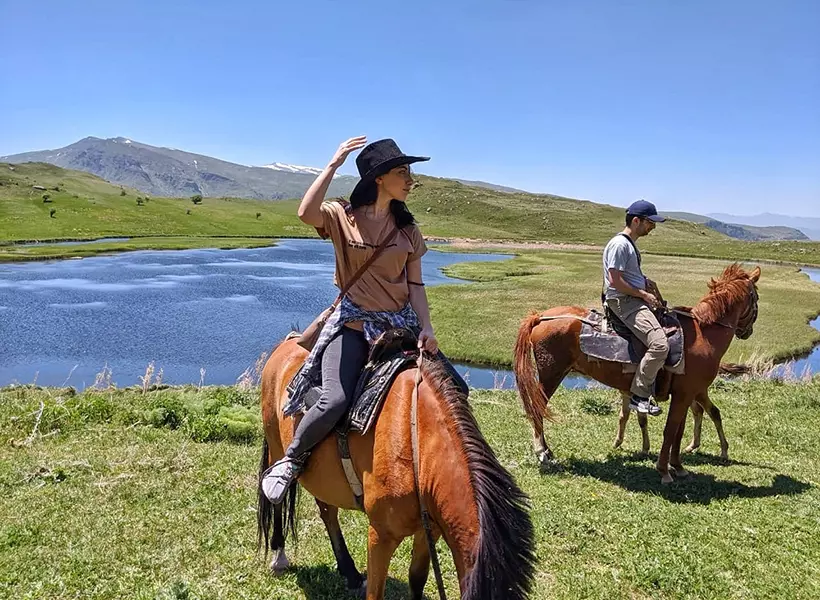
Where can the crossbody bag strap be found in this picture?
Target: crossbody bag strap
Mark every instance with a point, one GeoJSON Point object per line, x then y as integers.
{"type": "Point", "coordinates": [381, 248]}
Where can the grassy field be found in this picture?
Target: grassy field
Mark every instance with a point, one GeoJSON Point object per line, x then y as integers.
{"type": "Point", "coordinates": [88, 207]}
{"type": "Point", "coordinates": [479, 322]}
{"type": "Point", "coordinates": [121, 494]}
{"type": "Point", "coordinates": [16, 253]}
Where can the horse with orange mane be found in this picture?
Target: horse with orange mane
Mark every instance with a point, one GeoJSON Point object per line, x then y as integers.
{"type": "Point", "coordinates": [473, 502]}
{"type": "Point", "coordinates": [729, 309]}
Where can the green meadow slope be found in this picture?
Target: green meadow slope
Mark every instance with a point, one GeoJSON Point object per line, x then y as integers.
{"type": "Point", "coordinates": [87, 207]}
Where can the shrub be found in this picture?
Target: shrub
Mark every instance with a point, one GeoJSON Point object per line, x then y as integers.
{"type": "Point", "coordinates": [595, 405]}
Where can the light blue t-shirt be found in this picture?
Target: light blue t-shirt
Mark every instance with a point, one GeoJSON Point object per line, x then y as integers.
{"type": "Point", "coordinates": [620, 254]}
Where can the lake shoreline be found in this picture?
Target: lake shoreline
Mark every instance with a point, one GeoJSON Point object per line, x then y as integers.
{"type": "Point", "coordinates": [455, 244]}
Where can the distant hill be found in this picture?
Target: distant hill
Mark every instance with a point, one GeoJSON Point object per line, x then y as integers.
{"type": "Point", "coordinates": [490, 186]}
{"type": "Point", "coordinates": [808, 225]}
{"type": "Point", "coordinates": [88, 207]}
{"type": "Point", "coordinates": [738, 231]}
{"type": "Point", "coordinates": [169, 172]}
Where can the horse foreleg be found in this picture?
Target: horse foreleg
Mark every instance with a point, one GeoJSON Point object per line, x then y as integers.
{"type": "Point", "coordinates": [622, 420]}
{"type": "Point", "coordinates": [380, 549]}
{"type": "Point", "coordinates": [677, 412]}
{"type": "Point", "coordinates": [714, 414]}
{"type": "Point", "coordinates": [674, 456]}
{"type": "Point", "coordinates": [344, 562]}
{"type": "Point", "coordinates": [697, 418]}
{"type": "Point", "coordinates": [419, 566]}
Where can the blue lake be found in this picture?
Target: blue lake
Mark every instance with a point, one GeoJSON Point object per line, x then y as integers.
{"type": "Point", "coordinates": [62, 321]}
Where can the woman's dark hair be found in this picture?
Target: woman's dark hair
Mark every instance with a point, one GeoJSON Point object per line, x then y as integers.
{"type": "Point", "coordinates": [401, 213]}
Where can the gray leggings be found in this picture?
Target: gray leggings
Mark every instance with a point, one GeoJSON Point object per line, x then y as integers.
{"type": "Point", "coordinates": [342, 363]}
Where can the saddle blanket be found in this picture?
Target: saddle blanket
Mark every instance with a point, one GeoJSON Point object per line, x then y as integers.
{"type": "Point", "coordinates": [601, 339]}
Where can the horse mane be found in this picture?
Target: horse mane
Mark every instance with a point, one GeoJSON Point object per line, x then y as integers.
{"type": "Point", "coordinates": [724, 293]}
{"type": "Point", "coordinates": [505, 556]}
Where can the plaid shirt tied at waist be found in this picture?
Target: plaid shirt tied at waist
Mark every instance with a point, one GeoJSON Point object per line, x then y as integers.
{"type": "Point", "coordinates": [375, 323]}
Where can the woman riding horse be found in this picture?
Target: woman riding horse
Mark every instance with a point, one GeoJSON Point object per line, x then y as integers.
{"type": "Point", "coordinates": [425, 469]}
{"type": "Point", "coordinates": [390, 293]}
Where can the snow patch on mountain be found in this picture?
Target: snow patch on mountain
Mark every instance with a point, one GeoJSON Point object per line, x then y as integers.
{"type": "Point", "coordinates": [277, 166]}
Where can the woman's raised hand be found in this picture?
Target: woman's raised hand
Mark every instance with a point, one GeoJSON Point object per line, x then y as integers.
{"type": "Point", "coordinates": [345, 148]}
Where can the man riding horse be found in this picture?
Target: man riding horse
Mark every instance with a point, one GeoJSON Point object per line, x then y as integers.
{"type": "Point", "coordinates": [634, 298]}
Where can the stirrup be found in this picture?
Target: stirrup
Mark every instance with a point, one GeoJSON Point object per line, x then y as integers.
{"type": "Point", "coordinates": [278, 478]}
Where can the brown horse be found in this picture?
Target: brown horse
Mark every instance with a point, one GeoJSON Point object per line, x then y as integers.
{"type": "Point", "coordinates": [472, 500]}
{"type": "Point", "coordinates": [728, 309]}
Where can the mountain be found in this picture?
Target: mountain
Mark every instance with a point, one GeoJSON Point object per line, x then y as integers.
{"type": "Point", "coordinates": [740, 231]}
{"type": "Point", "coordinates": [170, 172]}
{"type": "Point", "coordinates": [808, 225]}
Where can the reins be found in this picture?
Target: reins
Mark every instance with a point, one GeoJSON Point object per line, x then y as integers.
{"type": "Point", "coordinates": [425, 516]}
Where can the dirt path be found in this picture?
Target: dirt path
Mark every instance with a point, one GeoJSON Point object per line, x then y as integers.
{"type": "Point", "coordinates": [468, 244]}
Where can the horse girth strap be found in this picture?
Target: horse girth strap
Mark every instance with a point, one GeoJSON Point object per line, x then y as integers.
{"type": "Point", "coordinates": [350, 471]}
{"type": "Point", "coordinates": [425, 517]}
{"type": "Point", "coordinates": [557, 317]}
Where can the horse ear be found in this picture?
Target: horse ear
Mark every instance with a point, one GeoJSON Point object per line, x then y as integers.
{"type": "Point", "coordinates": [755, 274]}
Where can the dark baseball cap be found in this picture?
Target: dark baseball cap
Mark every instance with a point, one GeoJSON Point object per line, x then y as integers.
{"type": "Point", "coordinates": [645, 209]}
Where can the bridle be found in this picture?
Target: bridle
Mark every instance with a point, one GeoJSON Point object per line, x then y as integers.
{"type": "Point", "coordinates": [746, 321]}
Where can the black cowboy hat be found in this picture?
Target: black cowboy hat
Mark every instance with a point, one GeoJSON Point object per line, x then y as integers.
{"type": "Point", "coordinates": [375, 160]}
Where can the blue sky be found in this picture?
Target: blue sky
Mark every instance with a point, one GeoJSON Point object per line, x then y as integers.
{"type": "Point", "coordinates": [698, 105]}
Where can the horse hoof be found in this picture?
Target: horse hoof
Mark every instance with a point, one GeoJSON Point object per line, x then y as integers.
{"type": "Point", "coordinates": [546, 460]}
{"type": "Point", "coordinates": [279, 564]}
{"type": "Point", "coordinates": [724, 456]}
{"type": "Point", "coordinates": [617, 443]}
{"type": "Point", "coordinates": [680, 472]}
{"type": "Point", "coordinates": [666, 479]}
{"type": "Point", "coordinates": [690, 448]}
{"type": "Point", "coordinates": [361, 591]}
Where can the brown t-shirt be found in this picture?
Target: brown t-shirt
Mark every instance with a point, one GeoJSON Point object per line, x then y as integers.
{"type": "Point", "coordinates": [355, 237]}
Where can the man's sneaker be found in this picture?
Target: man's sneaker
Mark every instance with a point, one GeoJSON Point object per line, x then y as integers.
{"type": "Point", "coordinates": [644, 406]}
{"type": "Point", "coordinates": [278, 478]}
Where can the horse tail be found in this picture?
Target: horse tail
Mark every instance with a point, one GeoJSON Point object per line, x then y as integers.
{"type": "Point", "coordinates": [266, 512]}
{"type": "Point", "coordinates": [289, 511]}
{"type": "Point", "coordinates": [532, 394]}
{"type": "Point", "coordinates": [734, 369]}
{"type": "Point", "coordinates": [264, 508]}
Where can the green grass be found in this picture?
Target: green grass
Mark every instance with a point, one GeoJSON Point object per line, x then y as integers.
{"type": "Point", "coordinates": [87, 207]}
{"type": "Point", "coordinates": [449, 209]}
{"type": "Point", "coordinates": [479, 322]}
{"type": "Point", "coordinates": [53, 251]}
{"type": "Point", "coordinates": [109, 503]}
